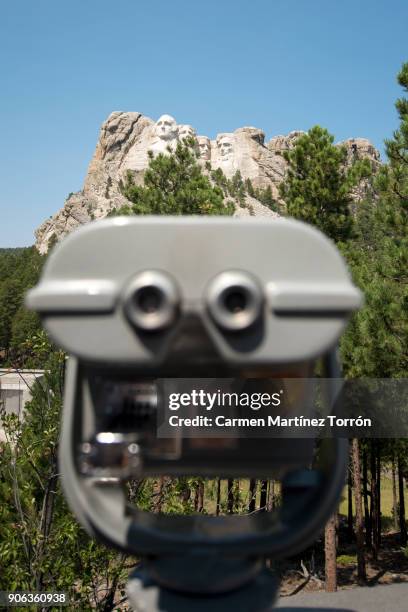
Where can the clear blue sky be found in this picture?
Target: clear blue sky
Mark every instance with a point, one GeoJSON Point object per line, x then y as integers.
{"type": "Point", "coordinates": [218, 64]}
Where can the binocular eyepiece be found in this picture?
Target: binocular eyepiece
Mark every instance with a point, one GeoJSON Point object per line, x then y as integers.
{"type": "Point", "coordinates": [234, 300]}
{"type": "Point", "coordinates": [152, 300]}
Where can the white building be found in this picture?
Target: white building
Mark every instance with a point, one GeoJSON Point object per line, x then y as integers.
{"type": "Point", "coordinates": [15, 390]}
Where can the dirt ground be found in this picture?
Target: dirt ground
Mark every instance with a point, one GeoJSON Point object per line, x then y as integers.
{"type": "Point", "coordinates": [391, 567]}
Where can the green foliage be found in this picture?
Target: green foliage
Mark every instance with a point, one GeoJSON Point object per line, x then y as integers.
{"type": "Point", "coordinates": [174, 184]}
{"type": "Point", "coordinates": [392, 184]}
{"type": "Point", "coordinates": [319, 183]}
{"type": "Point", "coordinates": [42, 547]}
{"type": "Point", "coordinates": [10, 299]}
{"type": "Point", "coordinates": [19, 270]}
{"type": "Point", "coordinates": [234, 188]}
{"type": "Point", "coordinates": [346, 559]}
{"type": "Point", "coordinates": [24, 263]}
{"type": "Point", "coordinates": [250, 188]}
{"type": "Point", "coordinates": [266, 198]}
{"type": "Point", "coordinates": [25, 324]}
{"type": "Point", "coordinates": [318, 190]}
{"type": "Point", "coordinates": [377, 339]}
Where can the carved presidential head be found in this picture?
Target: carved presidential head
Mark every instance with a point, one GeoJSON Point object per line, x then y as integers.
{"type": "Point", "coordinates": [225, 145]}
{"type": "Point", "coordinates": [204, 147]}
{"type": "Point", "coordinates": [186, 131]}
{"type": "Point", "coordinates": [166, 127]}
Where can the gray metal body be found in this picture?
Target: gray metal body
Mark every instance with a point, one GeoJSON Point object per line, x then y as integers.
{"type": "Point", "coordinates": [306, 289]}
{"type": "Point", "coordinates": [160, 297]}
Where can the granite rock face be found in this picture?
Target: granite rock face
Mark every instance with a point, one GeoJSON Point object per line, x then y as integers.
{"type": "Point", "coordinates": [123, 145]}
{"type": "Point", "coordinates": [101, 187]}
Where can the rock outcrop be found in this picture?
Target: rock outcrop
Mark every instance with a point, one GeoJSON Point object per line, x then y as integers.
{"type": "Point", "coordinates": [123, 145]}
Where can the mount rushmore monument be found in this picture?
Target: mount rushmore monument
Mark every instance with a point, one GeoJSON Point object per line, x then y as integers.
{"type": "Point", "coordinates": [124, 141]}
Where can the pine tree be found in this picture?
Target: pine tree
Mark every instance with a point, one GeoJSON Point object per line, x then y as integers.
{"type": "Point", "coordinates": [266, 198]}
{"type": "Point", "coordinates": [19, 270]}
{"type": "Point", "coordinates": [393, 186]}
{"type": "Point", "coordinates": [175, 184]}
{"type": "Point", "coordinates": [376, 341]}
{"type": "Point", "coordinates": [319, 183]}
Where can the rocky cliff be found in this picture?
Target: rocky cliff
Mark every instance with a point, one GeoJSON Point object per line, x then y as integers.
{"type": "Point", "coordinates": [126, 138]}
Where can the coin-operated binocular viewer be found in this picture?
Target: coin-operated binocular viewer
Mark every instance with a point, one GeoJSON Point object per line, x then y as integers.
{"type": "Point", "coordinates": [133, 300]}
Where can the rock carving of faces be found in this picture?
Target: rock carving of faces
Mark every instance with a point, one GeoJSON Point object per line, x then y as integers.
{"type": "Point", "coordinates": [224, 143]}
{"type": "Point", "coordinates": [166, 127]}
{"type": "Point", "coordinates": [186, 131]}
{"type": "Point", "coordinates": [204, 147]}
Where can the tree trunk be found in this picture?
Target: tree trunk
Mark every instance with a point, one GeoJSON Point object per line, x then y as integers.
{"type": "Point", "coordinates": [196, 498]}
{"type": "Point", "coordinates": [330, 555]}
{"type": "Point", "coordinates": [218, 499]}
{"type": "Point", "coordinates": [159, 490]}
{"type": "Point", "coordinates": [374, 505]}
{"type": "Point", "coordinates": [271, 495]}
{"type": "Point", "coordinates": [230, 496]}
{"type": "Point", "coordinates": [264, 495]}
{"type": "Point", "coordinates": [394, 494]}
{"type": "Point", "coordinates": [403, 527]}
{"type": "Point", "coordinates": [350, 531]}
{"type": "Point", "coordinates": [378, 496]}
{"type": "Point", "coordinates": [199, 496]}
{"type": "Point", "coordinates": [252, 495]}
{"type": "Point", "coordinates": [337, 526]}
{"type": "Point", "coordinates": [367, 516]}
{"type": "Point", "coordinates": [185, 496]}
{"type": "Point", "coordinates": [361, 565]}
{"type": "Point", "coordinates": [46, 522]}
